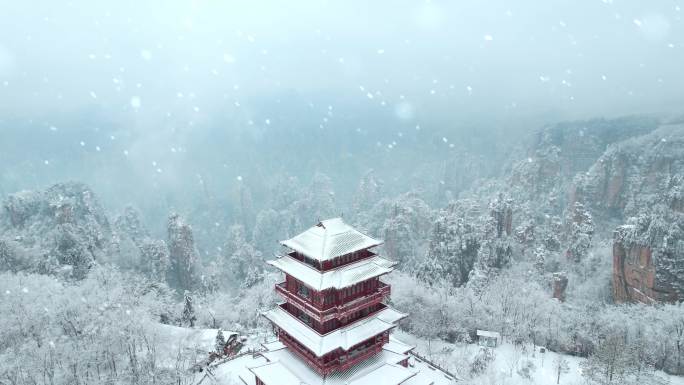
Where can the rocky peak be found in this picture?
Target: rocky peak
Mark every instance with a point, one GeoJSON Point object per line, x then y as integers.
{"type": "Point", "coordinates": [63, 228]}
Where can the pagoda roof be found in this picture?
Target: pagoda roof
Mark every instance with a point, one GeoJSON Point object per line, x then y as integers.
{"type": "Point", "coordinates": [396, 346]}
{"type": "Point", "coordinates": [381, 368]}
{"type": "Point", "coordinates": [275, 373]}
{"type": "Point", "coordinates": [339, 278]}
{"type": "Point", "coordinates": [343, 338]}
{"type": "Point", "coordinates": [329, 239]}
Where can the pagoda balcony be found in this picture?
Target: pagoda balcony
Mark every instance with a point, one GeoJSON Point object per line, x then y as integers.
{"type": "Point", "coordinates": [317, 363]}
{"type": "Point", "coordinates": [341, 362]}
{"type": "Point", "coordinates": [340, 311]}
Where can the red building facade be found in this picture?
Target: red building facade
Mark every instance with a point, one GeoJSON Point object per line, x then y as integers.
{"type": "Point", "coordinates": [333, 314]}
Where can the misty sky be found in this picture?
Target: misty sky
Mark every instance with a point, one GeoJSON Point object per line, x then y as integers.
{"type": "Point", "coordinates": [132, 96]}
{"type": "Point", "coordinates": [144, 60]}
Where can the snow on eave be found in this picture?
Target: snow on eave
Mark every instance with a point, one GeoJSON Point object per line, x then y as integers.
{"type": "Point", "coordinates": [387, 373]}
{"type": "Point", "coordinates": [308, 375]}
{"type": "Point", "coordinates": [339, 278]}
{"type": "Point", "coordinates": [343, 338]}
{"type": "Point", "coordinates": [330, 239]}
{"type": "Point", "coordinates": [275, 373]}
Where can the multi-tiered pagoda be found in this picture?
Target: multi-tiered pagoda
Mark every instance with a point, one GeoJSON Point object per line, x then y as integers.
{"type": "Point", "coordinates": [333, 326]}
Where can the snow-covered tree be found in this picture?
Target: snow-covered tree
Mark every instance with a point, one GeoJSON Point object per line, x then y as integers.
{"type": "Point", "coordinates": [581, 230]}
{"type": "Point", "coordinates": [219, 342]}
{"type": "Point", "coordinates": [185, 268]}
{"type": "Point", "coordinates": [241, 264]}
{"type": "Point", "coordinates": [368, 192]}
{"type": "Point", "coordinates": [188, 316]}
{"type": "Point", "coordinates": [155, 257]}
{"type": "Point", "coordinates": [454, 244]}
{"type": "Point", "coordinates": [270, 227]}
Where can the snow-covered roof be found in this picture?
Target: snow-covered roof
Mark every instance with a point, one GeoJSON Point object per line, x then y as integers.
{"type": "Point", "coordinates": [375, 370]}
{"type": "Point", "coordinates": [339, 278]}
{"type": "Point", "coordinates": [379, 368]}
{"type": "Point", "coordinates": [486, 333]}
{"type": "Point", "coordinates": [343, 338]}
{"type": "Point", "coordinates": [385, 374]}
{"type": "Point", "coordinates": [329, 239]}
{"type": "Point", "coordinates": [394, 345]}
{"type": "Point", "coordinates": [275, 373]}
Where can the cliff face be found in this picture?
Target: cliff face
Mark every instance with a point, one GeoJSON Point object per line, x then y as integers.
{"type": "Point", "coordinates": [564, 150]}
{"type": "Point", "coordinates": [639, 182]}
{"type": "Point", "coordinates": [633, 174]}
{"type": "Point", "coordinates": [581, 143]}
{"type": "Point", "coordinates": [646, 270]}
{"type": "Point", "coordinates": [625, 171]}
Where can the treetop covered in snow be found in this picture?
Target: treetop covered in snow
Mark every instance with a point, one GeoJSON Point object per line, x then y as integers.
{"type": "Point", "coordinates": [330, 239]}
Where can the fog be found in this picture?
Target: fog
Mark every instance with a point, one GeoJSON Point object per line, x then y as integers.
{"type": "Point", "coordinates": [498, 184]}
{"type": "Point", "coordinates": [142, 99]}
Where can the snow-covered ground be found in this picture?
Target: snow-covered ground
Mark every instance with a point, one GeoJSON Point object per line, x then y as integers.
{"type": "Point", "coordinates": [179, 344]}
{"type": "Point", "coordinates": [508, 361]}
{"type": "Point", "coordinates": [194, 344]}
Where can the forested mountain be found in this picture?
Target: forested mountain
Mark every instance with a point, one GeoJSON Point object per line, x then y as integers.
{"type": "Point", "coordinates": [528, 253]}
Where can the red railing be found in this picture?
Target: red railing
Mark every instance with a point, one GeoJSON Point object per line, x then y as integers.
{"type": "Point", "coordinates": [308, 357]}
{"type": "Point", "coordinates": [304, 305]}
{"type": "Point", "coordinates": [325, 368]}
{"type": "Point", "coordinates": [340, 311]}
{"type": "Point", "coordinates": [359, 303]}
{"type": "Point", "coordinates": [373, 350]}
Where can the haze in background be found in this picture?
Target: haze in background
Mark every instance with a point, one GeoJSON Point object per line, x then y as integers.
{"type": "Point", "coordinates": [164, 103]}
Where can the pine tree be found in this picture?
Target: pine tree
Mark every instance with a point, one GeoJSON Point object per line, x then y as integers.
{"type": "Point", "coordinates": [188, 317]}
{"type": "Point", "coordinates": [220, 342]}
{"type": "Point", "coordinates": [581, 229]}
{"type": "Point", "coordinates": [184, 271]}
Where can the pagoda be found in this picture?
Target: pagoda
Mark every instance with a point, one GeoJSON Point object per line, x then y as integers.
{"type": "Point", "coordinates": [333, 325]}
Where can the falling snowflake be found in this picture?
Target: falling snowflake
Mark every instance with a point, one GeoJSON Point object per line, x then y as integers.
{"type": "Point", "coordinates": [228, 58]}
{"type": "Point", "coordinates": [135, 102]}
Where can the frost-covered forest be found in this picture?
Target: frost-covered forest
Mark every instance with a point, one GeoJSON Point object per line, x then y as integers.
{"type": "Point", "coordinates": [524, 164]}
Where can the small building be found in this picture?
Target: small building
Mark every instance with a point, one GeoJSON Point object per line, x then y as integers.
{"type": "Point", "coordinates": [488, 339]}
